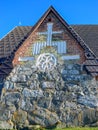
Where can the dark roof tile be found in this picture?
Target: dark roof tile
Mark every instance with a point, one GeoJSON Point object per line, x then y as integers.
{"type": "Point", "coordinates": [89, 33]}
{"type": "Point", "coordinates": [12, 40]}
{"type": "Point", "coordinates": [90, 62]}
{"type": "Point", "coordinates": [91, 66]}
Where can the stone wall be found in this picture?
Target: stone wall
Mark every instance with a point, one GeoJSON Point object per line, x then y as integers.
{"type": "Point", "coordinates": [67, 96]}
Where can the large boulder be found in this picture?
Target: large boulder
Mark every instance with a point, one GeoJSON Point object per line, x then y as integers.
{"type": "Point", "coordinates": [43, 117]}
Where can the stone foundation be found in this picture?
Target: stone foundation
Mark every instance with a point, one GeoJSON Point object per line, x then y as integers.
{"type": "Point", "coordinates": [67, 96]}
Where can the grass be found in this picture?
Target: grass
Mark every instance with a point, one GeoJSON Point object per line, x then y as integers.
{"type": "Point", "coordinates": [76, 128]}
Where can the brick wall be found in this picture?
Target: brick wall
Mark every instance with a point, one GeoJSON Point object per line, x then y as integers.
{"type": "Point", "coordinates": [73, 46]}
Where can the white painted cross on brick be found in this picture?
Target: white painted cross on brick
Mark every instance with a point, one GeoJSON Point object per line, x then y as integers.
{"type": "Point", "coordinates": [61, 45]}
{"type": "Point", "coordinates": [49, 33]}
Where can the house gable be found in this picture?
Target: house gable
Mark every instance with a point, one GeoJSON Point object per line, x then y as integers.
{"type": "Point", "coordinates": [51, 16]}
{"type": "Point", "coordinates": [20, 40]}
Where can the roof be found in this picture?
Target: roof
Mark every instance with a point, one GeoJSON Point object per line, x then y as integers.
{"type": "Point", "coordinates": [91, 65]}
{"type": "Point", "coordinates": [89, 33]}
{"type": "Point", "coordinates": [13, 40]}
{"type": "Point", "coordinates": [86, 35]}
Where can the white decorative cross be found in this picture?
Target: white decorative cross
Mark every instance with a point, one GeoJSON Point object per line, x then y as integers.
{"type": "Point", "coordinates": [48, 61]}
{"type": "Point", "coordinates": [37, 46]}
{"type": "Point", "coordinates": [49, 33]}
{"type": "Point", "coordinates": [61, 45]}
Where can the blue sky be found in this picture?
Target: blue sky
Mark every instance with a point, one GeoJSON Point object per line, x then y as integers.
{"type": "Point", "coordinates": [27, 12]}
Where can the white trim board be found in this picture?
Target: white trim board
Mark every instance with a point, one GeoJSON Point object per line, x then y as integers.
{"type": "Point", "coordinates": [25, 58]}
{"type": "Point", "coordinates": [71, 57]}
